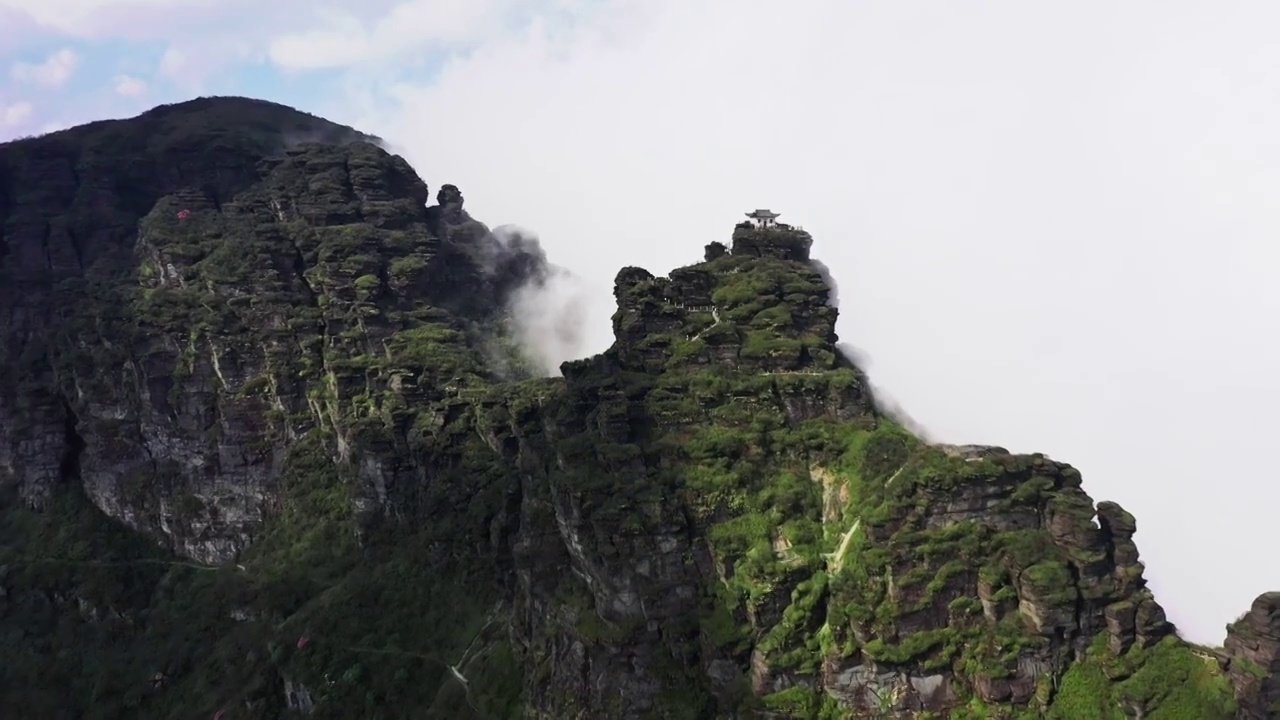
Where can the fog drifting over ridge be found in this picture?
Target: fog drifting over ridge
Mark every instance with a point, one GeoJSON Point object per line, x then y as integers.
{"type": "Point", "coordinates": [548, 313]}
{"type": "Point", "coordinates": [1052, 226]}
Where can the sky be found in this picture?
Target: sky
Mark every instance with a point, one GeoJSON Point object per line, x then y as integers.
{"type": "Point", "coordinates": [1053, 225]}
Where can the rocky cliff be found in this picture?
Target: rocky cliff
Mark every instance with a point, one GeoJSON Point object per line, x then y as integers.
{"type": "Point", "coordinates": [269, 447]}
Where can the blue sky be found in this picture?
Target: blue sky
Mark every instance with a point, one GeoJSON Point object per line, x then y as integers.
{"type": "Point", "coordinates": [66, 77]}
{"type": "Point", "coordinates": [69, 61]}
{"type": "Point", "coordinates": [1052, 224]}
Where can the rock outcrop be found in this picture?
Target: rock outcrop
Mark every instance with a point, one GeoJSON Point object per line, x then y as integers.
{"type": "Point", "coordinates": [839, 560]}
{"type": "Point", "coordinates": [1252, 652]}
{"type": "Point", "coordinates": [265, 435]}
{"type": "Point", "coordinates": [171, 366]}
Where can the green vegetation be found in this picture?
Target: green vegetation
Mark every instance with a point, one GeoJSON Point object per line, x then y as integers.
{"type": "Point", "coordinates": [1165, 682]}
{"type": "Point", "coordinates": [711, 505]}
{"type": "Point", "coordinates": [384, 619]}
{"type": "Point", "coordinates": [800, 703]}
{"type": "Point", "coordinates": [266, 325]}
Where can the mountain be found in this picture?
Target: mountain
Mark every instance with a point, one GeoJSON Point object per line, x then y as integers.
{"type": "Point", "coordinates": [270, 447]}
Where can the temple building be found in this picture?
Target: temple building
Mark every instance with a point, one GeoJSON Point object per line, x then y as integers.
{"type": "Point", "coordinates": [761, 235]}
{"type": "Point", "coordinates": [763, 218]}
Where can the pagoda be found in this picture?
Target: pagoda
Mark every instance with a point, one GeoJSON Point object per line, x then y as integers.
{"type": "Point", "coordinates": [763, 218]}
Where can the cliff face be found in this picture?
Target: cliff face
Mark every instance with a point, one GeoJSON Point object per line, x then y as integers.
{"type": "Point", "coordinates": [1252, 658]}
{"type": "Point", "coordinates": [170, 356]}
{"type": "Point", "coordinates": [267, 447]}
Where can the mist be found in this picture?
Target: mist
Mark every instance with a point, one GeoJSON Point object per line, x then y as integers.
{"type": "Point", "coordinates": [833, 298]}
{"type": "Point", "coordinates": [883, 401]}
{"type": "Point", "coordinates": [547, 313]}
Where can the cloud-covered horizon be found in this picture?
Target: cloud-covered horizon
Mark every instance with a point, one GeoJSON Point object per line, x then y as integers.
{"type": "Point", "coordinates": [1052, 226]}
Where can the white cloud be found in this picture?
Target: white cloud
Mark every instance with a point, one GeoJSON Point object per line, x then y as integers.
{"type": "Point", "coordinates": [15, 114]}
{"type": "Point", "coordinates": [105, 18]}
{"type": "Point", "coordinates": [54, 72]}
{"type": "Point", "coordinates": [193, 64]}
{"type": "Point", "coordinates": [342, 40]}
{"type": "Point", "coordinates": [129, 86]}
{"type": "Point", "coordinates": [1052, 226]}
{"type": "Point", "coordinates": [173, 62]}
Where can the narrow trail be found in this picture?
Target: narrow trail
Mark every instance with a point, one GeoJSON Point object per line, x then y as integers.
{"type": "Point", "coordinates": [715, 315]}
{"type": "Point", "coordinates": [455, 669]}
{"type": "Point", "coordinates": [836, 559]}
{"type": "Point", "coordinates": [792, 372]}
{"type": "Point", "coordinates": [894, 476]}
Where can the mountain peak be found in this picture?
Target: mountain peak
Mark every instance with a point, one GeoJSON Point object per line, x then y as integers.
{"type": "Point", "coordinates": [259, 400]}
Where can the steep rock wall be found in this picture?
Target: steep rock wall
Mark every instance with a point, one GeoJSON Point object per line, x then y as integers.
{"type": "Point", "coordinates": [285, 459]}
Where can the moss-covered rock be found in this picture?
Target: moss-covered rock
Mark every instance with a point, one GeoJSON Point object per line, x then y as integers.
{"type": "Point", "coordinates": [267, 445]}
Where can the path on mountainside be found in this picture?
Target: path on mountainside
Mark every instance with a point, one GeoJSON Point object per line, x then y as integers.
{"type": "Point", "coordinates": [838, 555]}
{"type": "Point", "coordinates": [894, 476]}
{"type": "Point", "coordinates": [836, 559]}
{"type": "Point", "coordinates": [455, 670]}
{"type": "Point", "coordinates": [792, 372]}
{"type": "Point", "coordinates": [715, 315]}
